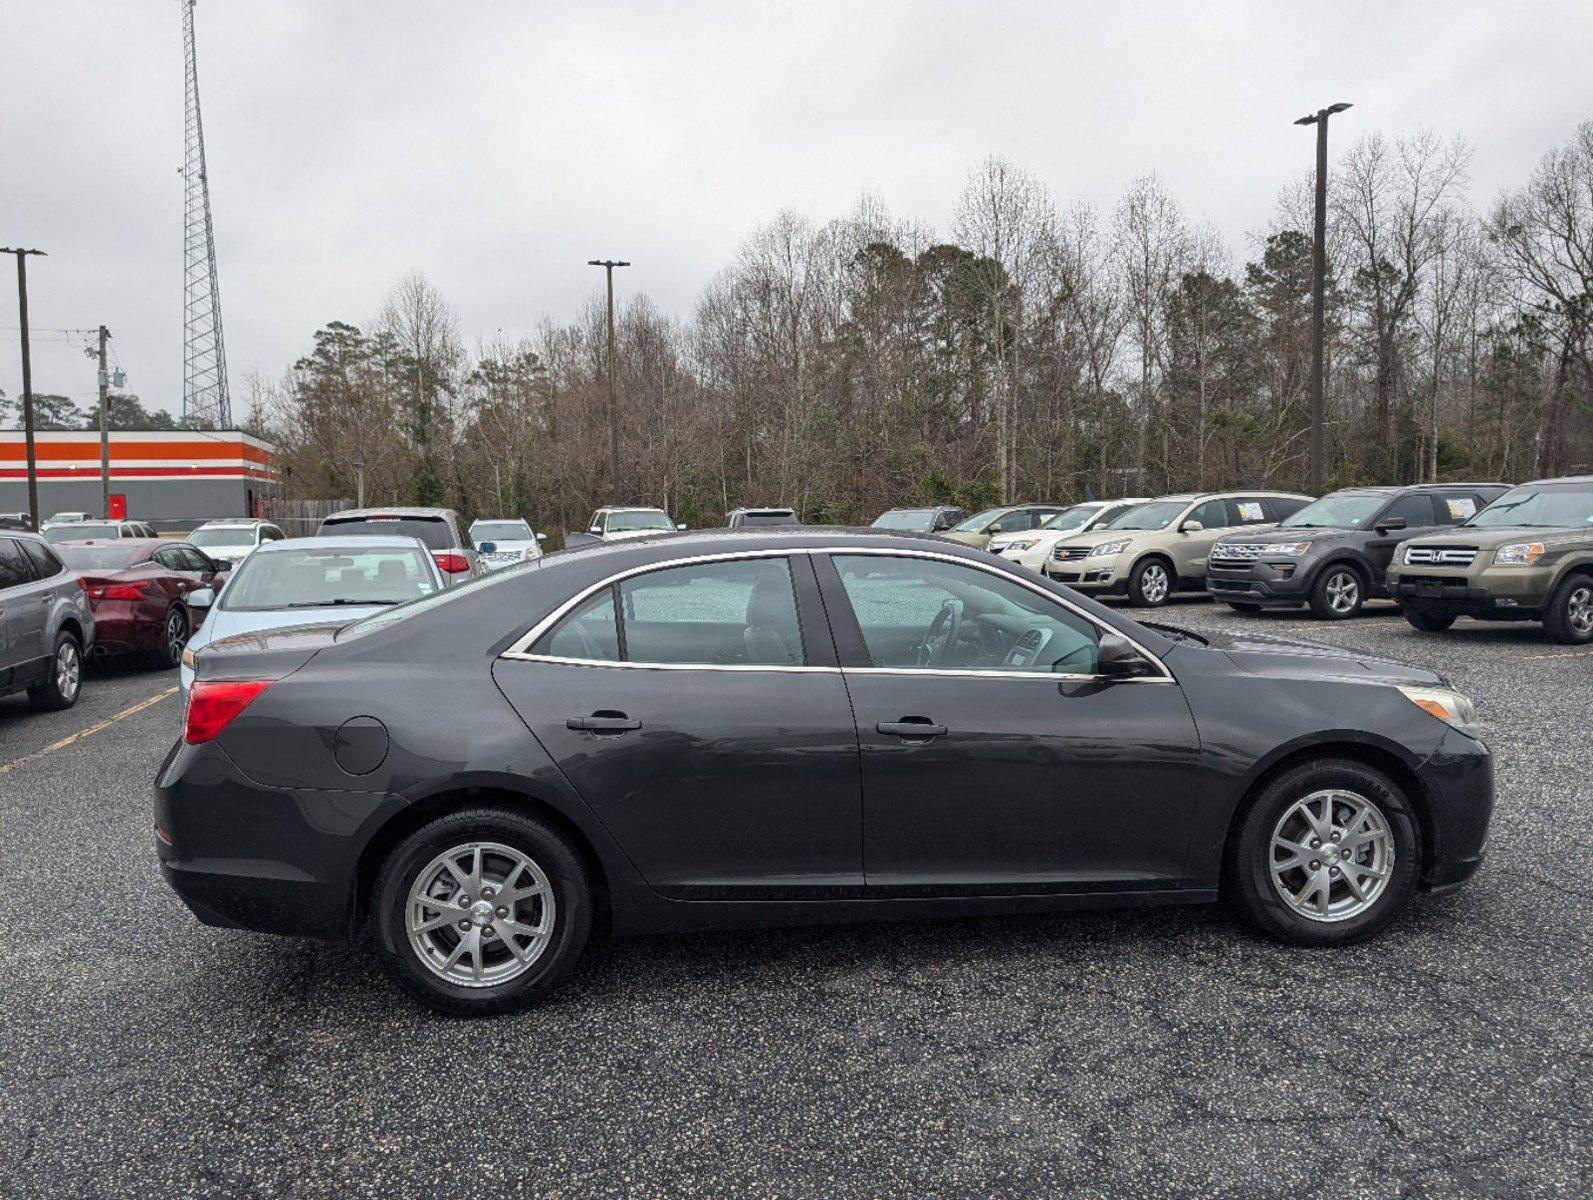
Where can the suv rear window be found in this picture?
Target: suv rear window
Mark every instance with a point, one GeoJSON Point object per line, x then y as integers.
{"type": "Point", "coordinates": [433, 532]}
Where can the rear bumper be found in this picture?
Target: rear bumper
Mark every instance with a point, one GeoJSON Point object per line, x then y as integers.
{"type": "Point", "coordinates": [1458, 781]}
{"type": "Point", "coordinates": [244, 856]}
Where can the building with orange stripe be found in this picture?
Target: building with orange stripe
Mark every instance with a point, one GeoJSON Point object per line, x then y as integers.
{"type": "Point", "coordinates": [174, 478]}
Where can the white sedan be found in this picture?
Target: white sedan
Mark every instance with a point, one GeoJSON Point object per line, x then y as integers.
{"type": "Point", "coordinates": [1029, 547]}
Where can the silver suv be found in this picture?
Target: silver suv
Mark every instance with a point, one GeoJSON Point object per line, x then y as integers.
{"type": "Point", "coordinates": [46, 627]}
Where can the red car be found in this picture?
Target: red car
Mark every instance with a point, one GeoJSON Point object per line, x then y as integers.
{"type": "Point", "coordinates": [148, 594]}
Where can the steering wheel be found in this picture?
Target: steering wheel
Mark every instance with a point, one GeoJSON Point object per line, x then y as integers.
{"type": "Point", "coordinates": [947, 624]}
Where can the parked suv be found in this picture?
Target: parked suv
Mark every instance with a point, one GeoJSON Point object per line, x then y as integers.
{"type": "Point", "coordinates": [1160, 547]}
{"type": "Point", "coordinates": [440, 530]}
{"type": "Point", "coordinates": [45, 624]}
{"type": "Point", "coordinates": [748, 518]}
{"type": "Point", "coordinates": [230, 540]}
{"type": "Point", "coordinates": [978, 529]}
{"type": "Point", "coordinates": [95, 531]}
{"type": "Point", "coordinates": [1528, 556]}
{"type": "Point", "coordinates": [1032, 547]}
{"type": "Point", "coordinates": [1333, 554]}
{"type": "Point", "coordinates": [934, 519]}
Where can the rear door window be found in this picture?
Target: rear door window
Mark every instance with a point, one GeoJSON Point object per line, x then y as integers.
{"type": "Point", "coordinates": [1247, 510]}
{"type": "Point", "coordinates": [15, 568]}
{"type": "Point", "coordinates": [737, 613]}
{"type": "Point", "coordinates": [590, 632]}
{"type": "Point", "coordinates": [1457, 507]}
{"type": "Point", "coordinates": [45, 563]}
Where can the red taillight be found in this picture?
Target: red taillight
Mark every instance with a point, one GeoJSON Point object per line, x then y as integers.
{"type": "Point", "coordinates": [99, 589]}
{"type": "Point", "coordinates": [212, 704]}
{"type": "Point", "coordinates": [451, 563]}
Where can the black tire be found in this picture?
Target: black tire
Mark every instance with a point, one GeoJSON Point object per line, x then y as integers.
{"type": "Point", "coordinates": [174, 633]}
{"type": "Point", "coordinates": [1143, 581]}
{"type": "Point", "coordinates": [1248, 882]}
{"type": "Point", "coordinates": [1338, 592]}
{"type": "Point", "coordinates": [1566, 618]}
{"type": "Point", "coordinates": [530, 836]}
{"type": "Point", "coordinates": [1428, 622]}
{"type": "Point", "coordinates": [63, 686]}
{"type": "Point", "coordinates": [1248, 610]}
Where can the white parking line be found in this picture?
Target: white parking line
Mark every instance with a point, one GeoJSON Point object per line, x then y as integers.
{"type": "Point", "coordinates": [6, 768]}
{"type": "Point", "coordinates": [1561, 654]}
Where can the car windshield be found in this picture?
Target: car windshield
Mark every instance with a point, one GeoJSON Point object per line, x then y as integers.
{"type": "Point", "coordinates": [1072, 518]}
{"type": "Point", "coordinates": [1341, 510]}
{"type": "Point", "coordinates": [627, 522]}
{"type": "Point", "coordinates": [772, 517]}
{"type": "Point", "coordinates": [1548, 506]}
{"type": "Point", "coordinates": [977, 522]}
{"type": "Point", "coordinates": [906, 518]}
{"type": "Point", "coordinates": [1158, 514]}
{"type": "Point", "coordinates": [433, 532]}
{"type": "Point", "coordinates": [81, 533]}
{"type": "Point", "coordinates": [326, 578]}
{"type": "Point", "coordinates": [222, 535]}
{"type": "Point", "coordinates": [110, 556]}
{"type": "Point", "coordinates": [500, 531]}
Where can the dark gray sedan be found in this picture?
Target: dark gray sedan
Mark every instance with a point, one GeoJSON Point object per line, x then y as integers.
{"type": "Point", "coordinates": [788, 726]}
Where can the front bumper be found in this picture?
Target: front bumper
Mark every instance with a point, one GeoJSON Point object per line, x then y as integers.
{"type": "Point", "coordinates": [244, 856]}
{"type": "Point", "coordinates": [1458, 782]}
{"type": "Point", "coordinates": [1280, 584]}
{"type": "Point", "coordinates": [1488, 594]}
{"type": "Point", "coordinates": [1095, 576]}
{"type": "Point", "coordinates": [1034, 559]}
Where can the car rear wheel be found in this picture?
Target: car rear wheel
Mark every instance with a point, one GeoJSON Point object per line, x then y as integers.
{"type": "Point", "coordinates": [1338, 593]}
{"type": "Point", "coordinates": [65, 681]}
{"type": "Point", "coordinates": [1429, 622]}
{"type": "Point", "coordinates": [173, 637]}
{"type": "Point", "coordinates": [1569, 616]}
{"type": "Point", "coordinates": [1150, 584]}
{"type": "Point", "coordinates": [1326, 854]}
{"type": "Point", "coordinates": [481, 912]}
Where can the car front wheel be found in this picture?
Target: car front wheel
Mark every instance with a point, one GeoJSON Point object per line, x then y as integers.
{"type": "Point", "coordinates": [1325, 855]}
{"type": "Point", "coordinates": [481, 912]}
{"type": "Point", "coordinates": [1338, 593]}
{"type": "Point", "coordinates": [1150, 584]}
{"type": "Point", "coordinates": [1569, 616]}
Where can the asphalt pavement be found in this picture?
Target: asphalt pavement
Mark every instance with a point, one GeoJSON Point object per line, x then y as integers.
{"type": "Point", "coordinates": [1127, 1053]}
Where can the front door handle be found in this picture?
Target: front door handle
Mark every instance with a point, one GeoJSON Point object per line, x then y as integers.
{"type": "Point", "coordinates": [604, 721]}
{"type": "Point", "coordinates": [912, 727]}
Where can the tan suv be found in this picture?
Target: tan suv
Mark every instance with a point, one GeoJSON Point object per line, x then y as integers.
{"type": "Point", "coordinates": [1161, 547]}
{"type": "Point", "coordinates": [978, 529]}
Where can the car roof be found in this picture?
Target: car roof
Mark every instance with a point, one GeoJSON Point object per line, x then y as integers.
{"type": "Point", "coordinates": [332, 541]}
{"type": "Point", "coordinates": [1561, 479]}
{"type": "Point", "coordinates": [390, 510]}
{"type": "Point", "coordinates": [227, 522]}
{"type": "Point", "coordinates": [630, 508]}
{"type": "Point", "coordinates": [762, 510]}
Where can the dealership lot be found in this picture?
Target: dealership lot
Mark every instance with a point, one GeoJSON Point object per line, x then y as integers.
{"type": "Point", "coordinates": [1133, 1052]}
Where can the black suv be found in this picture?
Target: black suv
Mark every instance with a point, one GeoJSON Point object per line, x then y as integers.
{"type": "Point", "coordinates": [1332, 554]}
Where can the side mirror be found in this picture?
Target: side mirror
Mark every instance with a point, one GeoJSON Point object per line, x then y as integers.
{"type": "Point", "coordinates": [201, 597]}
{"type": "Point", "coordinates": [1392, 523]}
{"type": "Point", "coordinates": [596, 531]}
{"type": "Point", "coordinates": [680, 525]}
{"type": "Point", "coordinates": [1119, 658]}
{"type": "Point", "coordinates": [542, 537]}
{"type": "Point", "coordinates": [1191, 527]}
{"type": "Point", "coordinates": [488, 547]}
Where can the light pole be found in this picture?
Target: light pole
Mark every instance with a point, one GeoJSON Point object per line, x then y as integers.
{"type": "Point", "coordinates": [608, 265]}
{"type": "Point", "coordinates": [1319, 287]}
{"type": "Point", "coordinates": [27, 378]}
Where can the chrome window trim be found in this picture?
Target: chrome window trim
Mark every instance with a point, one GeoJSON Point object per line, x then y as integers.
{"type": "Point", "coordinates": [521, 648]}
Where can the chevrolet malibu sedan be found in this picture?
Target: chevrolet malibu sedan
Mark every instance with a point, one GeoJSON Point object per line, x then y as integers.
{"type": "Point", "coordinates": [785, 727]}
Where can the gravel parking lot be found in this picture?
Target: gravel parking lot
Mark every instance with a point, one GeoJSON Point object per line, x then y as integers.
{"type": "Point", "coordinates": [1154, 1052]}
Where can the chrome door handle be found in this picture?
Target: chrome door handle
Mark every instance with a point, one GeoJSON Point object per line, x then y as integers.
{"type": "Point", "coordinates": [603, 722]}
{"type": "Point", "coordinates": [911, 727]}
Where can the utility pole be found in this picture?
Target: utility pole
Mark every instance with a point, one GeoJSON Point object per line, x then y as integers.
{"type": "Point", "coordinates": [608, 265]}
{"type": "Point", "coordinates": [105, 428]}
{"type": "Point", "coordinates": [1319, 289]}
{"type": "Point", "coordinates": [27, 378]}
{"type": "Point", "coordinates": [359, 485]}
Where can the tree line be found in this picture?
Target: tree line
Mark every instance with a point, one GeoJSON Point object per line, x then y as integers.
{"type": "Point", "coordinates": [53, 411]}
{"type": "Point", "coordinates": [1033, 351]}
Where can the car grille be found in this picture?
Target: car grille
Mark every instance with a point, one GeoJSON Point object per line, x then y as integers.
{"type": "Point", "coordinates": [1237, 551]}
{"type": "Point", "coordinates": [1445, 556]}
{"type": "Point", "coordinates": [1069, 553]}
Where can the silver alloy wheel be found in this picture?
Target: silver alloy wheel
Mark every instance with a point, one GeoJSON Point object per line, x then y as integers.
{"type": "Point", "coordinates": [68, 670]}
{"type": "Point", "coordinates": [1343, 591]}
{"type": "Point", "coordinates": [1579, 610]}
{"type": "Point", "coordinates": [480, 914]}
{"type": "Point", "coordinates": [176, 635]}
{"type": "Point", "coordinates": [1332, 855]}
{"type": "Point", "coordinates": [1153, 583]}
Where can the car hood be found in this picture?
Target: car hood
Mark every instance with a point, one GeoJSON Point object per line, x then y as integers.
{"type": "Point", "coordinates": [221, 623]}
{"type": "Point", "coordinates": [1097, 537]}
{"type": "Point", "coordinates": [1044, 537]}
{"type": "Point", "coordinates": [1273, 535]}
{"type": "Point", "coordinates": [1268, 654]}
{"type": "Point", "coordinates": [1494, 537]}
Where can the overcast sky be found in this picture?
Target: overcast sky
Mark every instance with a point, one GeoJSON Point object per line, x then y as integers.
{"type": "Point", "coordinates": [497, 145]}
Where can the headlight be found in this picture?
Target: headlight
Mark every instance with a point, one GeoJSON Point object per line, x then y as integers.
{"type": "Point", "coordinates": [1107, 549]}
{"type": "Point", "coordinates": [1292, 549]}
{"type": "Point", "coordinates": [1448, 706]}
{"type": "Point", "coordinates": [1519, 554]}
{"type": "Point", "coordinates": [1025, 544]}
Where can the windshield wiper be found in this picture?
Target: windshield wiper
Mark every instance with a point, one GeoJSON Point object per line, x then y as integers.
{"type": "Point", "coordinates": [336, 603]}
{"type": "Point", "coordinates": [1174, 631]}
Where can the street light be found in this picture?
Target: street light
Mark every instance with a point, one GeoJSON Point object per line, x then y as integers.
{"type": "Point", "coordinates": [1319, 286]}
{"type": "Point", "coordinates": [608, 265]}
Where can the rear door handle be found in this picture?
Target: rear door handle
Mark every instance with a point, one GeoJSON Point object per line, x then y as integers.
{"type": "Point", "coordinates": [912, 727]}
{"type": "Point", "coordinates": [604, 721]}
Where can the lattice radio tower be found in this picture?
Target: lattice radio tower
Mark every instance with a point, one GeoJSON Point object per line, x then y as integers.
{"type": "Point", "coordinates": [205, 400]}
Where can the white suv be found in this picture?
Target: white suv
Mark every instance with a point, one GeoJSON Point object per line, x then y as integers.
{"type": "Point", "coordinates": [232, 539]}
{"type": "Point", "coordinates": [1029, 547]}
